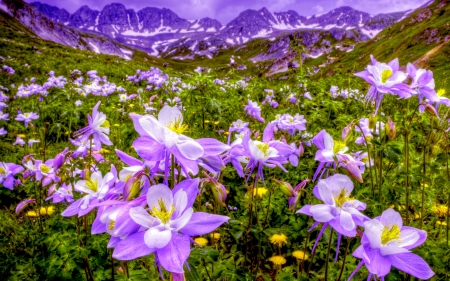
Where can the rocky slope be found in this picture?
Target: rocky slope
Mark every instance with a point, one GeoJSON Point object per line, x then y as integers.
{"type": "Point", "coordinates": [48, 29]}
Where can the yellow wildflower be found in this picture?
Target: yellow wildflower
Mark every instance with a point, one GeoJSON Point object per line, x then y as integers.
{"type": "Point", "coordinates": [300, 255]}
{"type": "Point", "coordinates": [116, 125]}
{"type": "Point", "coordinates": [217, 122]}
{"type": "Point", "coordinates": [201, 241]}
{"type": "Point", "coordinates": [440, 210]}
{"type": "Point", "coordinates": [48, 210]}
{"type": "Point", "coordinates": [206, 121]}
{"type": "Point", "coordinates": [215, 236]}
{"type": "Point", "coordinates": [31, 214]}
{"type": "Point", "coordinates": [21, 135]}
{"type": "Point", "coordinates": [260, 191]}
{"type": "Point", "coordinates": [278, 239]}
{"type": "Point", "coordinates": [443, 223]}
{"type": "Point", "coordinates": [277, 260]}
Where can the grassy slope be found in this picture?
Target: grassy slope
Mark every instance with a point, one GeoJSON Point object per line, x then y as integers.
{"type": "Point", "coordinates": [406, 40]}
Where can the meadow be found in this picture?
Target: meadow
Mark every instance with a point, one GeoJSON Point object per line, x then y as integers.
{"type": "Point", "coordinates": [126, 170]}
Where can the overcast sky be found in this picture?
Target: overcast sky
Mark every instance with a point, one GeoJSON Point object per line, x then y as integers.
{"type": "Point", "coordinates": [227, 10]}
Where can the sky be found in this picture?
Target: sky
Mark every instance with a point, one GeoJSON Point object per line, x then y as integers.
{"type": "Point", "coordinates": [226, 10]}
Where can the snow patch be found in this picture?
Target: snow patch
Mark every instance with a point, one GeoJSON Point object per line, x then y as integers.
{"type": "Point", "coordinates": [125, 51]}
{"type": "Point", "coordinates": [96, 49]}
{"type": "Point", "coordinates": [371, 33]}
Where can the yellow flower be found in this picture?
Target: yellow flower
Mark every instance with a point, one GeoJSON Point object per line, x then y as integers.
{"type": "Point", "coordinates": [277, 260]}
{"type": "Point", "coordinates": [300, 255]}
{"type": "Point", "coordinates": [206, 121]}
{"type": "Point", "coordinates": [31, 214]}
{"type": "Point", "coordinates": [440, 210]}
{"type": "Point", "coordinates": [21, 135]}
{"type": "Point", "coordinates": [106, 151]}
{"type": "Point", "coordinates": [217, 122]}
{"type": "Point", "coordinates": [259, 191]}
{"type": "Point", "coordinates": [116, 125]}
{"type": "Point", "coordinates": [227, 133]}
{"type": "Point", "coordinates": [278, 239]}
{"type": "Point", "coordinates": [443, 223]}
{"type": "Point", "coordinates": [417, 216]}
{"type": "Point", "coordinates": [201, 241]}
{"type": "Point", "coordinates": [215, 236]}
{"type": "Point", "coordinates": [48, 210]}
{"type": "Point", "coordinates": [392, 206]}
{"type": "Point", "coordinates": [131, 105]}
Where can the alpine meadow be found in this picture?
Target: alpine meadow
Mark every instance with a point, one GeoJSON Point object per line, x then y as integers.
{"type": "Point", "coordinates": [292, 143]}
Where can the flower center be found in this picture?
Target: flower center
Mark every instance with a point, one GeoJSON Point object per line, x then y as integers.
{"type": "Point", "coordinates": [441, 92]}
{"type": "Point", "coordinates": [341, 198]}
{"type": "Point", "coordinates": [385, 75]}
{"type": "Point", "coordinates": [264, 147]}
{"type": "Point", "coordinates": [111, 225]}
{"type": "Point", "coordinates": [177, 126]}
{"type": "Point", "coordinates": [105, 124]}
{"type": "Point", "coordinates": [44, 168]}
{"type": "Point", "coordinates": [338, 146]}
{"type": "Point", "coordinates": [27, 114]}
{"type": "Point", "coordinates": [92, 184]}
{"type": "Point", "coordinates": [2, 171]}
{"type": "Point", "coordinates": [390, 234]}
{"type": "Point", "coordinates": [162, 213]}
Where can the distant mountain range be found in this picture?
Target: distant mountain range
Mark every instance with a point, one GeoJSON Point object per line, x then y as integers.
{"type": "Point", "coordinates": [163, 32]}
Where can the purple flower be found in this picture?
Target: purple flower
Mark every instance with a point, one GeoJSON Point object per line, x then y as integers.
{"type": "Point", "coordinates": [23, 204]}
{"type": "Point", "coordinates": [384, 79]}
{"type": "Point", "coordinates": [422, 83]}
{"type": "Point", "coordinates": [78, 103]}
{"type": "Point", "coordinates": [98, 128]}
{"type": "Point", "coordinates": [95, 187]}
{"type": "Point", "coordinates": [27, 117]}
{"type": "Point", "coordinates": [386, 242]}
{"type": "Point", "coordinates": [4, 116]}
{"type": "Point", "coordinates": [167, 226]}
{"type": "Point", "coordinates": [63, 193]}
{"type": "Point", "coordinates": [7, 172]}
{"type": "Point", "coordinates": [333, 152]}
{"type": "Point", "coordinates": [3, 131]}
{"type": "Point", "coordinates": [254, 110]}
{"type": "Point", "coordinates": [339, 210]}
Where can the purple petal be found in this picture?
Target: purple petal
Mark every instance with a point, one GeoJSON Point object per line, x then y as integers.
{"type": "Point", "coordinates": [203, 223]}
{"type": "Point", "coordinates": [411, 264]}
{"type": "Point", "coordinates": [132, 247]}
{"type": "Point", "coordinates": [174, 255]}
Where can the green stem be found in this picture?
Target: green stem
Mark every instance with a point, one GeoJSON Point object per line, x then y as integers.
{"type": "Point", "coordinates": [328, 253]}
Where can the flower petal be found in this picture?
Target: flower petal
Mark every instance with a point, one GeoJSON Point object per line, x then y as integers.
{"type": "Point", "coordinates": [132, 247]}
{"type": "Point", "coordinates": [411, 264]}
{"type": "Point", "coordinates": [142, 217]}
{"type": "Point", "coordinates": [159, 192]}
{"type": "Point", "coordinates": [190, 149]}
{"type": "Point", "coordinates": [174, 255]}
{"type": "Point", "coordinates": [156, 237]}
{"type": "Point", "coordinates": [346, 221]}
{"type": "Point", "coordinates": [203, 223]}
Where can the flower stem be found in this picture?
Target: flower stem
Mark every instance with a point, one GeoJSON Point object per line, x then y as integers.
{"type": "Point", "coordinates": [328, 253]}
{"type": "Point", "coordinates": [345, 257]}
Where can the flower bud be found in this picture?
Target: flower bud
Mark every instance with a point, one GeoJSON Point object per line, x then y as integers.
{"type": "Point", "coordinates": [285, 187]}
{"type": "Point", "coordinates": [390, 129]}
{"type": "Point", "coordinates": [430, 109]}
{"type": "Point", "coordinates": [131, 188]}
{"type": "Point", "coordinates": [346, 132]}
{"type": "Point", "coordinates": [373, 118]}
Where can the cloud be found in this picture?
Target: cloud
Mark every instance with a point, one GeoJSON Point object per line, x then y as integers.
{"type": "Point", "coordinates": [318, 9]}
{"type": "Point", "coordinates": [381, 6]}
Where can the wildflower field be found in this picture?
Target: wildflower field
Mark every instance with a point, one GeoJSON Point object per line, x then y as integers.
{"type": "Point", "coordinates": [115, 170]}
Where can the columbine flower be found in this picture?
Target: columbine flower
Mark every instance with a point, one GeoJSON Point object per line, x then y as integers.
{"type": "Point", "coordinates": [4, 116]}
{"type": "Point", "coordinates": [386, 242]}
{"type": "Point", "coordinates": [27, 117]}
{"type": "Point", "coordinates": [98, 128]}
{"type": "Point", "coordinates": [278, 239]}
{"type": "Point", "coordinates": [277, 260]}
{"type": "Point", "coordinates": [167, 225]}
{"type": "Point", "coordinates": [7, 172]}
{"type": "Point", "coordinates": [422, 83]}
{"type": "Point", "coordinates": [95, 187]}
{"type": "Point", "coordinates": [384, 79]}
{"type": "Point", "coordinates": [254, 110]}
{"type": "Point", "coordinates": [340, 211]}
{"type": "Point", "coordinates": [19, 141]}
{"type": "Point", "coordinates": [3, 131]}
{"type": "Point", "coordinates": [332, 152]}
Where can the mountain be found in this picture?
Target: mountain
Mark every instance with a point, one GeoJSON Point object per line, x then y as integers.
{"type": "Point", "coordinates": [44, 27]}
{"type": "Point", "coordinates": [163, 32]}
{"type": "Point", "coordinates": [422, 37]}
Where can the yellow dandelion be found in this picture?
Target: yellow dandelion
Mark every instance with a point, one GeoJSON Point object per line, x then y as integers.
{"type": "Point", "coordinates": [278, 239]}
{"type": "Point", "coordinates": [105, 151]}
{"type": "Point", "coordinates": [48, 210]}
{"type": "Point", "coordinates": [31, 214]}
{"type": "Point", "coordinates": [201, 241]}
{"type": "Point", "coordinates": [417, 216]}
{"type": "Point", "coordinates": [277, 260]}
{"type": "Point", "coordinates": [131, 105]}
{"type": "Point", "coordinates": [227, 133]}
{"type": "Point", "coordinates": [443, 223]}
{"type": "Point", "coordinates": [116, 125]}
{"type": "Point", "coordinates": [260, 191]}
{"type": "Point", "coordinates": [440, 210]}
{"type": "Point", "coordinates": [21, 135]}
{"type": "Point", "coordinates": [206, 121]}
{"type": "Point", "coordinates": [217, 122]}
{"type": "Point", "coordinates": [300, 255]}
{"type": "Point", "coordinates": [215, 236]}
{"type": "Point", "coordinates": [392, 206]}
